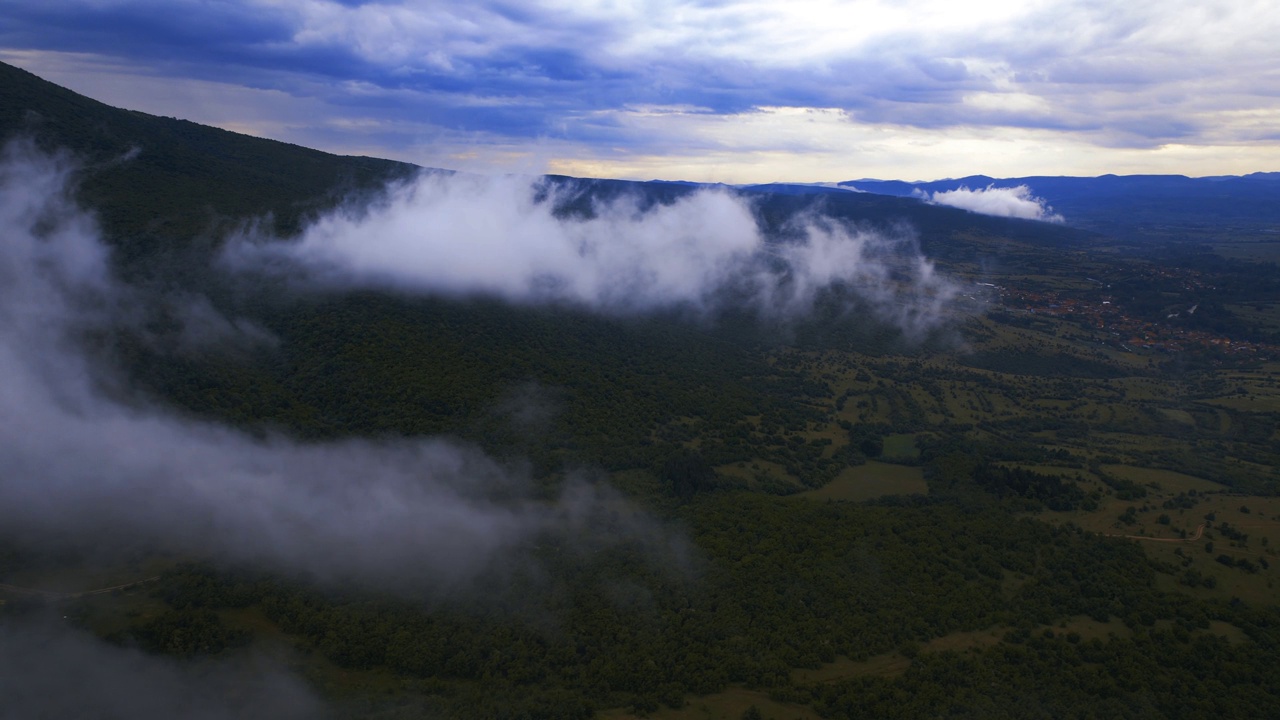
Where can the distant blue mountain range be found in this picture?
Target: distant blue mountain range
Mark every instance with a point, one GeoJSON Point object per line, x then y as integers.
{"type": "Point", "coordinates": [1124, 204]}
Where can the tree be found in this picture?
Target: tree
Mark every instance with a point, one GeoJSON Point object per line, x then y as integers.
{"type": "Point", "coordinates": [686, 473]}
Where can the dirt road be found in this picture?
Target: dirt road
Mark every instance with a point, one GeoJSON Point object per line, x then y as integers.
{"type": "Point", "coordinates": [56, 595]}
{"type": "Point", "coordinates": [1193, 538]}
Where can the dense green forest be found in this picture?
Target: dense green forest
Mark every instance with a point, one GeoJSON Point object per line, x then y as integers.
{"type": "Point", "coordinates": [1028, 512]}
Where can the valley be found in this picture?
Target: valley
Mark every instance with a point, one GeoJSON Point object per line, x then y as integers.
{"type": "Point", "coordinates": [1041, 479]}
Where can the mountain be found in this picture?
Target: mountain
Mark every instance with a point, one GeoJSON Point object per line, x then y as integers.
{"type": "Point", "coordinates": [1128, 204]}
{"type": "Point", "coordinates": [141, 172]}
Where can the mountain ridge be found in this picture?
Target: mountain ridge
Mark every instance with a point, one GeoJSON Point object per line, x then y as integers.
{"type": "Point", "coordinates": [1125, 204]}
{"type": "Point", "coordinates": [147, 200]}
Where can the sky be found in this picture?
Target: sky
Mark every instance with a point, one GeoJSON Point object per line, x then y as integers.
{"type": "Point", "coordinates": [705, 90]}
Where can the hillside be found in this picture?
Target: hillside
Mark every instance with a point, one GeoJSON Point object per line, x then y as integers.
{"type": "Point", "coordinates": [142, 172]}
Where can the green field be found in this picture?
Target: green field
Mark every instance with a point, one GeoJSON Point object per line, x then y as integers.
{"type": "Point", "coordinates": [727, 705]}
{"type": "Point", "coordinates": [872, 480]}
{"type": "Point", "coordinates": [1167, 481]}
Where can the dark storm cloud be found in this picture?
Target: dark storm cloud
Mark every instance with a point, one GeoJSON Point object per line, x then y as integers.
{"type": "Point", "coordinates": [202, 35]}
{"type": "Point", "coordinates": [528, 89]}
{"type": "Point", "coordinates": [511, 90]}
{"type": "Point", "coordinates": [194, 34]}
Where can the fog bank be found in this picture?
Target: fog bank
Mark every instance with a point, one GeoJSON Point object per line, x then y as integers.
{"type": "Point", "coordinates": [50, 670]}
{"type": "Point", "coordinates": [461, 235]}
{"type": "Point", "coordinates": [80, 458]}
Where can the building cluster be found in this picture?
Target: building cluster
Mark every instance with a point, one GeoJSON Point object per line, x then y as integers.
{"type": "Point", "coordinates": [1116, 328]}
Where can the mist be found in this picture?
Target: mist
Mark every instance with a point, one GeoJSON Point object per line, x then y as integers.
{"type": "Point", "coordinates": [1013, 202]}
{"type": "Point", "coordinates": [51, 670]}
{"type": "Point", "coordinates": [510, 238]}
{"type": "Point", "coordinates": [82, 459]}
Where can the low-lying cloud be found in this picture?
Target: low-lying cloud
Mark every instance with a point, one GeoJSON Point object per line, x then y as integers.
{"type": "Point", "coordinates": [81, 459]}
{"type": "Point", "coordinates": [1014, 202]}
{"type": "Point", "coordinates": [509, 237]}
{"type": "Point", "coordinates": [50, 670]}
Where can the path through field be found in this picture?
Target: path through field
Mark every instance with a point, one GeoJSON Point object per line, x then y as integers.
{"type": "Point", "coordinates": [55, 595]}
{"type": "Point", "coordinates": [1193, 538]}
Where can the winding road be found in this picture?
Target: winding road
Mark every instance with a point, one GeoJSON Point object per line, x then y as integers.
{"type": "Point", "coordinates": [1193, 538]}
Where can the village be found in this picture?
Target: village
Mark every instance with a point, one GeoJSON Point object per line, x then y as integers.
{"type": "Point", "coordinates": [1128, 333]}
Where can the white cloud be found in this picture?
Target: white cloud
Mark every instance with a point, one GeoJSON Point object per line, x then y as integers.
{"type": "Point", "coordinates": [1099, 77]}
{"type": "Point", "coordinates": [76, 461]}
{"type": "Point", "coordinates": [491, 235]}
{"type": "Point", "coordinates": [508, 237]}
{"type": "Point", "coordinates": [1014, 202]}
{"type": "Point", "coordinates": [1178, 86]}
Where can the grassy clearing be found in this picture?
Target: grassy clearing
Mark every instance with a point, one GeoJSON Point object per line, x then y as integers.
{"type": "Point", "coordinates": [1233, 634]}
{"type": "Point", "coordinates": [1254, 403]}
{"type": "Point", "coordinates": [760, 474]}
{"type": "Point", "coordinates": [895, 663]}
{"type": "Point", "coordinates": [872, 480]}
{"type": "Point", "coordinates": [1181, 417]}
{"type": "Point", "coordinates": [901, 446]}
{"type": "Point", "coordinates": [86, 574]}
{"type": "Point", "coordinates": [838, 436]}
{"type": "Point", "coordinates": [1167, 480]}
{"type": "Point", "coordinates": [727, 705]}
{"type": "Point", "coordinates": [1089, 629]}
{"type": "Point", "coordinates": [1256, 517]}
{"type": "Point", "coordinates": [108, 613]}
{"type": "Point", "coordinates": [1256, 251]}
{"type": "Point", "coordinates": [887, 665]}
{"type": "Point", "coordinates": [1061, 470]}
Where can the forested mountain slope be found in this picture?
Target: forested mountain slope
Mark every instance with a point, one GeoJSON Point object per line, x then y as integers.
{"type": "Point", "coordinates": [153, 179]}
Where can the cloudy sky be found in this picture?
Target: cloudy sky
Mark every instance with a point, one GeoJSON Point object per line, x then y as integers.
{"type": "Point", "coordinates": [711, 90]}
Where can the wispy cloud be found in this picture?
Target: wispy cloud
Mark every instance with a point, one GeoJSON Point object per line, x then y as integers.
{"type": "Point", "coordinates": [48, 669]}
{"type": "Point", "coordinates": [85, 459]}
